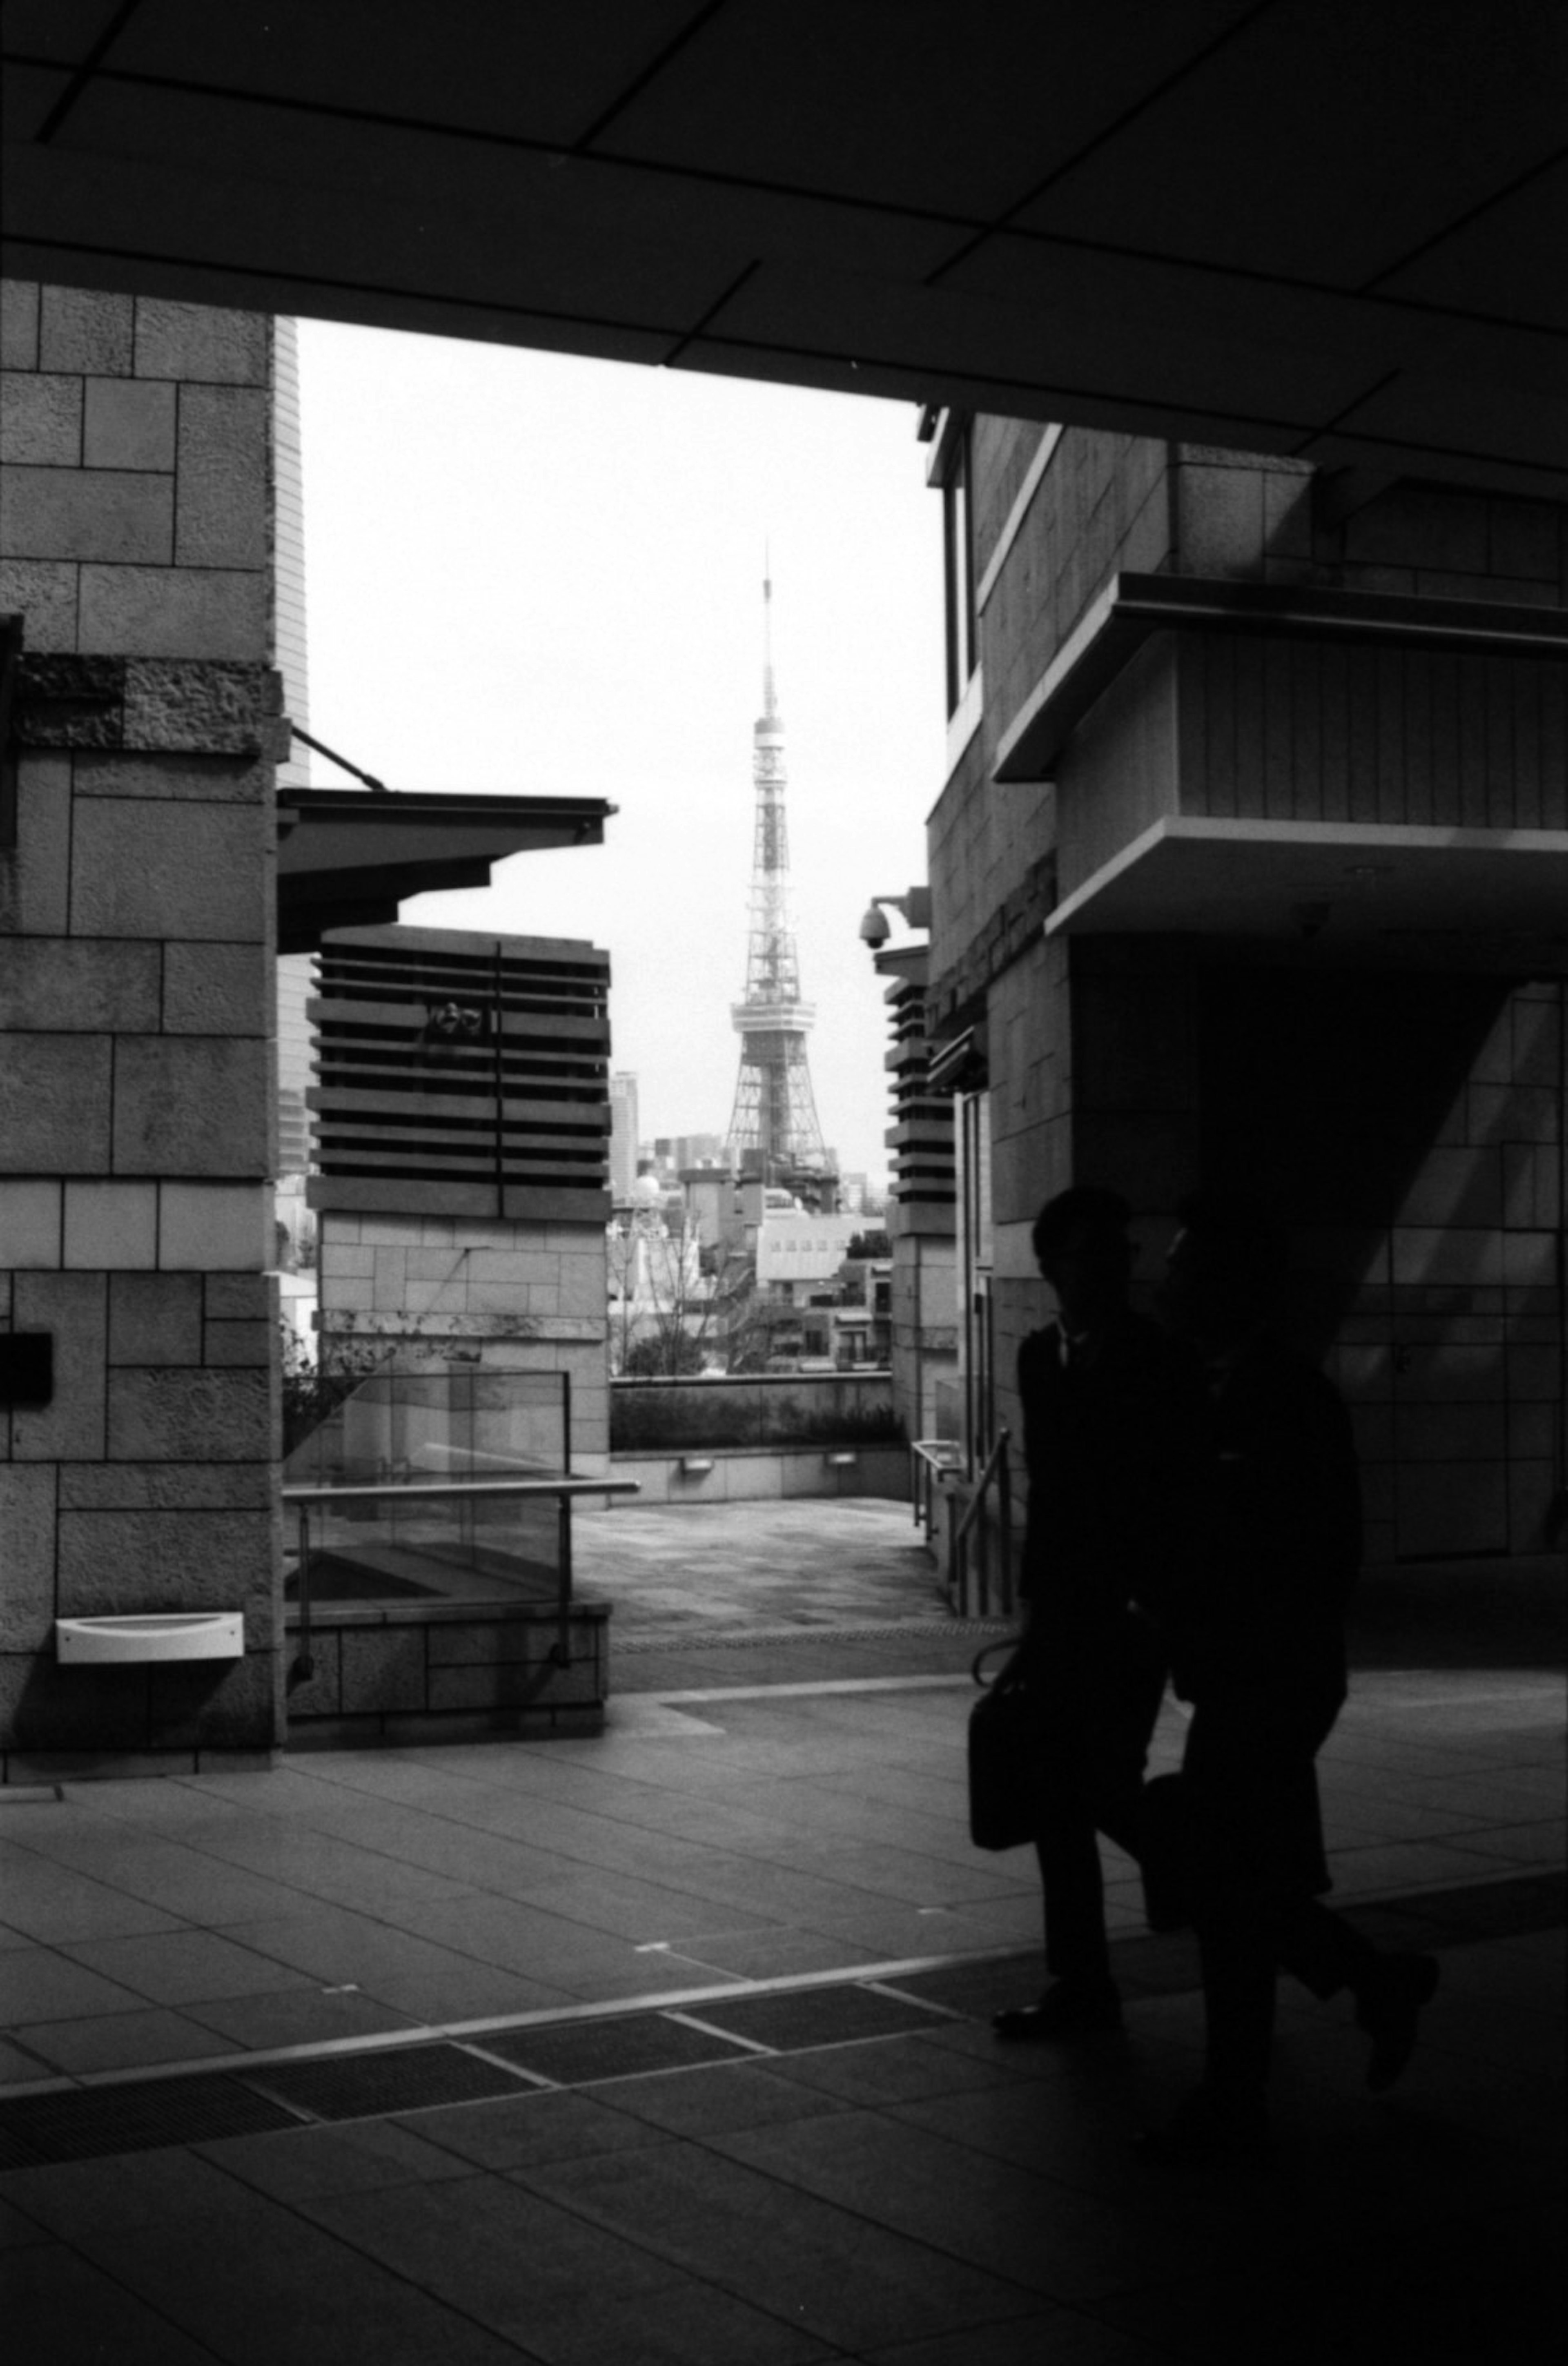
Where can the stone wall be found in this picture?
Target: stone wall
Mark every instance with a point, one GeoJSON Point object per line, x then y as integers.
{"type": "Point", "coordinates": [136, 933]}
{"type": "Point", "coordinates": [1402, 1106]}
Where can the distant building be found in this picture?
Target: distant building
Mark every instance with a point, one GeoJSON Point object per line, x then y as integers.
{"type": "Point", "coordinates": [799, 1251]}
{"type": "Point", "coordinates": [623, 1137]}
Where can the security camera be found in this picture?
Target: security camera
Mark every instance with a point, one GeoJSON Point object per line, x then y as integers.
{"type": "Point", "coordinates": [873, 927]}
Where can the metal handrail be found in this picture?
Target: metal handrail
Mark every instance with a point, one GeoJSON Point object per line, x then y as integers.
{"type": "Point", "coordinates": [928, 1458]}
{"type": "Point", "coordinates": [996, 1467]}
{"type": "Point", "coordinates": [563, 1490]}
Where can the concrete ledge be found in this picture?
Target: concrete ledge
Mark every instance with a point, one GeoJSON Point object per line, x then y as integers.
{"type": "Point", "coordinates": [743, 1474]}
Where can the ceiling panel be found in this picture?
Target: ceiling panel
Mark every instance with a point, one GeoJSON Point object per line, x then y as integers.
{"type": "Point", "coordinates": [1227, 178]}
{"type": "Point", "coordinates": [56, 29]}
{"type": "Point", "coordinates": [1332, 143]}
{"type": "Point", "coordinates": [534, 72]}
{"type": "Point", "coordinates": [907, 102]}
{"type": "Point", "coordinates": [1507, 265]}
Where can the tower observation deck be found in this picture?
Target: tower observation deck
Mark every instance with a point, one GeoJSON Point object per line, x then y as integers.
{"type": "Point", "coordinates": [773, 1124]}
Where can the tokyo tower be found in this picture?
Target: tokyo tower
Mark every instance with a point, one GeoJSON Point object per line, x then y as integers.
{"type": "Point", "coordinates": [773, 1124]}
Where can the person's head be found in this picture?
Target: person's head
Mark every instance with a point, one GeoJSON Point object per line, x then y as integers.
{"type": "Point", "coordinates": [1082, 1249]}
{"type": "Point", "coordinates": [1225, 1268]}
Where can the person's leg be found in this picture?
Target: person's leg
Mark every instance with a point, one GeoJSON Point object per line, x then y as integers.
{"type": "Point", "coordinates": [1327, 1955]}
{"type": "Point", "coordinates": [1080, 1996]}
{"type": "Point", "coordinates": [1226, 1878]}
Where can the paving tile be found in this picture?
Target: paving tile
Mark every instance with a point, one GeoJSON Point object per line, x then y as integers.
{"type": "Point", "coordinates": [298, 2017]}
{"type": "Point", "coordinates": [1420, 1864]}
{"type": "Point", "coordinates": [59, 2308]}
{"type": "Point", "coordinates": [827, 2270]}
{"type": "Point", "coordinates": [37, 1984]}
{"type": "Point", "coordinates": [516, 2131]}
{"type": "Point", "coordinates": [1063, 2337]}
{"type": "Point", "coordinates": [717, 2100]}
{"type": "Point", "coordinates": [278, 2288]}
{"type": "Point", "coordinates": [52, 1907]}
{"type": "Point", "coordinates": [17, 2228]}
{"type": "Point", "coordinates": [889, 2070]}
{"type": "Point", "coordinates": [182, 1967]}
{"type": "Point", "coordinates": [537, 2274]}
{"type": "Point", "coordinates": [1065, 2241]}
{"type": "Point", "coordinates": [171, 2185]}
{"type": "Point", "coordinates": [124, 2041]}
{"type": "Point", "coordinates": [359, 2158]}
{"type": "Point", "coordinates": [773, 1954]}
{"type": "Point", "coordinates": [415, 1977]}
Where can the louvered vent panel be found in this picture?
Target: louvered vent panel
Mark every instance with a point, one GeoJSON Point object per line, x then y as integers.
{"type": "Point", "coordinates": [462, 1073]}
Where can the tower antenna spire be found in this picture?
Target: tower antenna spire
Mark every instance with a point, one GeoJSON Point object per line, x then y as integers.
{"type": "Point", "coordinates": [774, 1125]}
{"type": "Point", "coordinates": [770, 700]}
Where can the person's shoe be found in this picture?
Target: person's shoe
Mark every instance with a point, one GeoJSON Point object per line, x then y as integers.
{"type": "Point", "coordinates": [1070, 2008]}
{"type": "Point", "coordinates": [1389, 2009]}
{"type": "Point", "coordinates": [1206, 2130]}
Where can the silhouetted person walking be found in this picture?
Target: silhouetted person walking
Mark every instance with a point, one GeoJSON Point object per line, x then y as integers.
{"type": "Point", "coordinates": [1255, 1629]}
{"type": "Point", "coordinates": [1110, 1428]}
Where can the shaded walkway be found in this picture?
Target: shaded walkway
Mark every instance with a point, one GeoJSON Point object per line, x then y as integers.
{"type": "Point", "coordinates": [715, 1985]}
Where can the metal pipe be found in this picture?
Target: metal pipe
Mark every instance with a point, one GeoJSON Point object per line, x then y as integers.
{"type": "Point", "coordinates": [560, 1651]}
{"type": "Point", "coordinates": [304, 1664]}
{"type": "Point", "coordinates": [995, 1460]}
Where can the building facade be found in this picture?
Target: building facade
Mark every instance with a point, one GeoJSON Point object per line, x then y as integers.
{"type": "Point", "coordinates": [1251, 867]}
{"type": "Point", "coordinates": [137, 918]}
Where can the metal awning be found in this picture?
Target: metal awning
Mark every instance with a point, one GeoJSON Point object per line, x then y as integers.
{"type": "Point", "coordinates": [348, 856]}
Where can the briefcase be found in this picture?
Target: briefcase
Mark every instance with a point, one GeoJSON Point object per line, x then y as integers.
{"type": "Point", "coordinates": [1004, 1758]}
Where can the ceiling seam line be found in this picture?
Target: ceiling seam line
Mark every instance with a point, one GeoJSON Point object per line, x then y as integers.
{"type": "Point", "coordinates": [1081, 156]}
{"type": "Point", "coordinates": [1248, 275]}
{"type": "Point", "coordinates": [1462, 222]}
{"type": "Point", "coordinates": [720, 301]}
{"type": "Point", "coordinates": [85, 72]}
{"type": "Point", "coordinates": [522, 143]}
{"type": "Point", "coordinates": [650, 73]}
{"type": "Point", "coordinates": [1366, 395]}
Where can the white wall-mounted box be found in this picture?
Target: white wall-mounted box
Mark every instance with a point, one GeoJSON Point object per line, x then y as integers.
{"type": "Point", "coordinates": [139, 1636]}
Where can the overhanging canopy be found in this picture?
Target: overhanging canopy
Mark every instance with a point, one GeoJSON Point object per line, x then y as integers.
{"type": "Point", "coordinates": [1329, 882]}
{"type": "Point", "coordinates": [347, 857]}
{"type": "Point", "coordinates": [1267, 224]}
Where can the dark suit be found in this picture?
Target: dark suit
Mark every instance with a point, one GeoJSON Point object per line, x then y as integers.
{"type": "Point", "coordinates": [1109, 1445]}
{"type": "Point", "coordinates": [1258, 1645]}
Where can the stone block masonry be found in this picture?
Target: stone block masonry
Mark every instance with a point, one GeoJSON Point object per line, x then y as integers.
{"type": "Point", "coordinates": [136, 935]}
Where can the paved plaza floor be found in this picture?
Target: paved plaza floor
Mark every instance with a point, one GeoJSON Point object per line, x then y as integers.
{"type": "Point", "coordinates": [673, 2042]}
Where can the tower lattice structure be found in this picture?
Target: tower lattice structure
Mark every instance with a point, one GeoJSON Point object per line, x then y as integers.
{"type": "Point", "coordinates": [773, 1124]}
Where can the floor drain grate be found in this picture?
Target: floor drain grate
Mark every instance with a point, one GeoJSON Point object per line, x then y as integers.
{"type": "Point", "coordinates": [804, 2017]}
{"type": "Point", "coordinates": [402, 2079]}
{"type": "Point", "coordinates": [578, 2054]}
{"type": "Point", "coordinates": [85, 2124]}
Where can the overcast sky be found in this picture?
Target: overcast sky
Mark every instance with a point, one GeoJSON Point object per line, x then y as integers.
{"type": "Point", "coordinates": [534, 574]}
